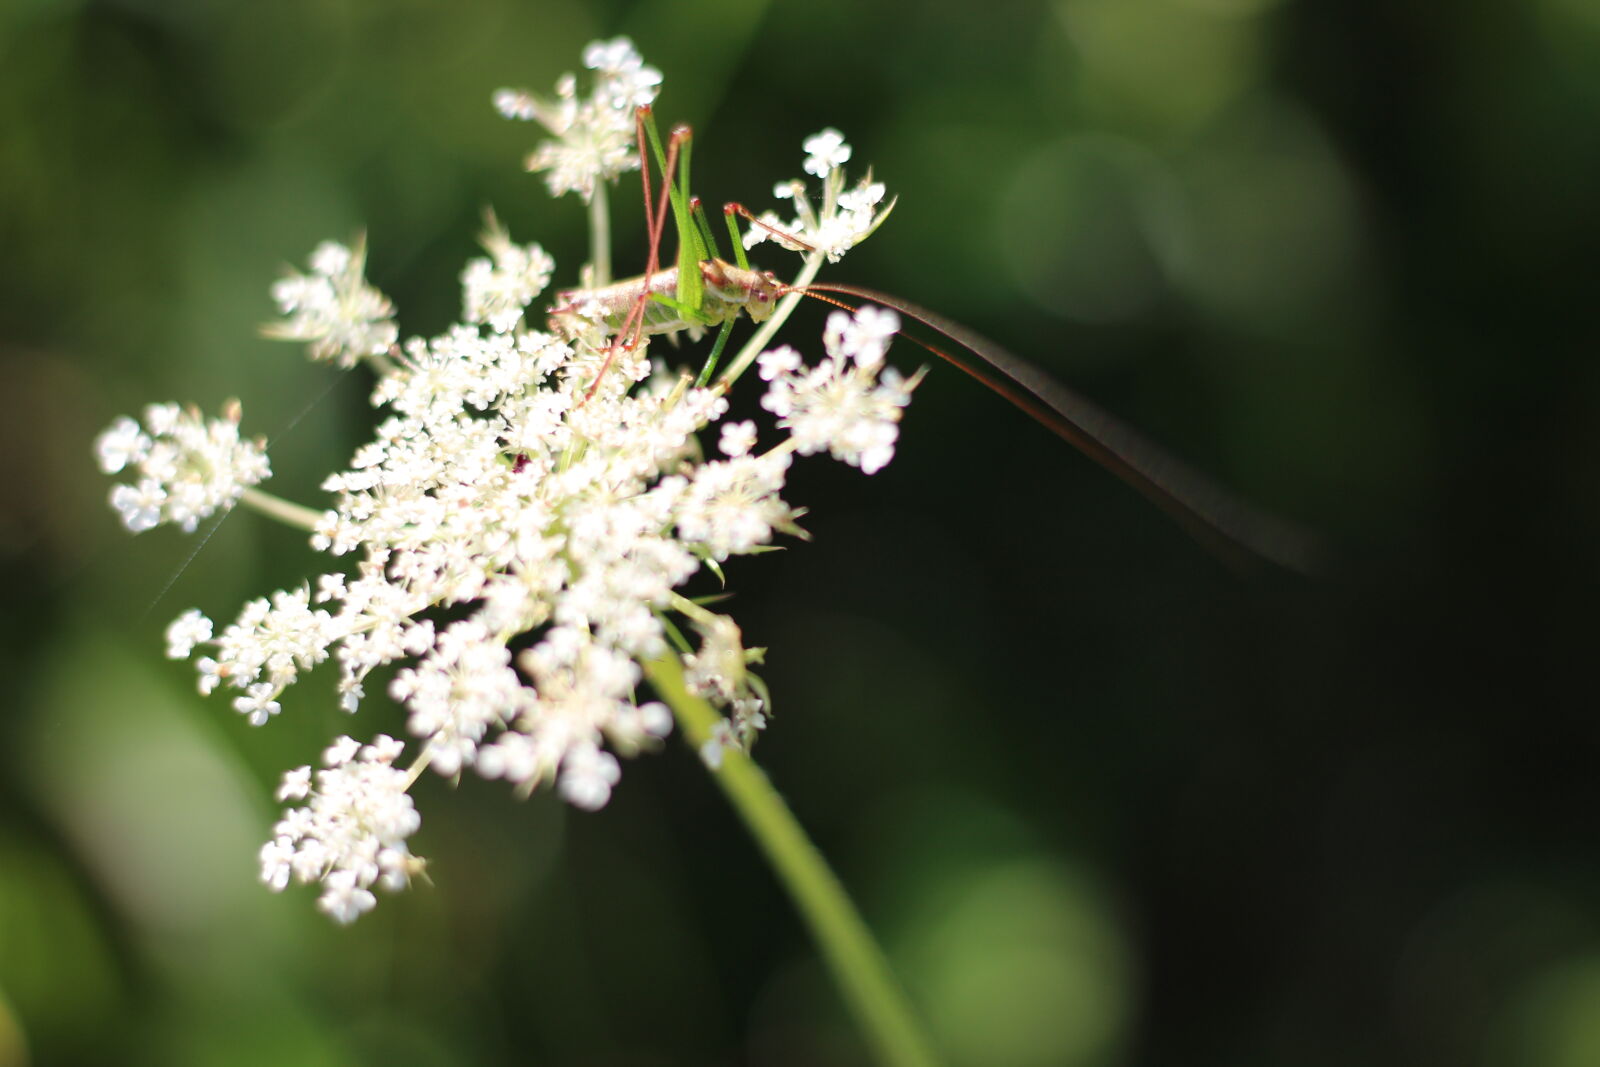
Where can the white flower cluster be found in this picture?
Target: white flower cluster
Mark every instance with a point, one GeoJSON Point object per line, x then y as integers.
{"type": "Point", "coordinates": [497, 290]}
{"type": "Point", "coordinates": [334, 309]}
{"type": "Point", "coordinates": [844, 405]}
{"type": "Point", "coordinates": [523, 524]}
{"type": "Point", "coordinates": [595, 137]}
{"type": "Point", "coordinates": [187, 466]}
{"type": "Point", "coordinates": [846, 217]}
{"type": "Point", "coordinates": [351, 833]}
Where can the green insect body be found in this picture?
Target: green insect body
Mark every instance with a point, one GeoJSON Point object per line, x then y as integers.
{"type": "Point", "coordinates": [725, 290]}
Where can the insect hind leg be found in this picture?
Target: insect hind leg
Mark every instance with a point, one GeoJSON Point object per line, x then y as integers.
{"type": "Point", "coordinates": [633, 326]}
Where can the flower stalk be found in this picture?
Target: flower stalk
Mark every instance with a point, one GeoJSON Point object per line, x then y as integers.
{"type": "Point", "coordinates": [287, 512]}
{"type": "Point", "coordinates": [600, 237]}
{"type": "Point", "coordinates": [858, 965]}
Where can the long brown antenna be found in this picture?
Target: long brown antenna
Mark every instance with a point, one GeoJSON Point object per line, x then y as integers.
{"type": "Point", "coordinates": [1210, 513]}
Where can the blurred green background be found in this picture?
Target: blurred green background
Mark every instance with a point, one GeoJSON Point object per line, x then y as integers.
{"type": "Point", "coordinates": [1107, 801]}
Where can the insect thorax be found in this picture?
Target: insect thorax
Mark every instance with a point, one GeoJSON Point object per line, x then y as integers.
{"type": "Point", "coordinates": [756, 291]}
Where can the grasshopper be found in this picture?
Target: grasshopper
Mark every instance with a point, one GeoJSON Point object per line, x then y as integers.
{"type": "Point", "coordinates": [703, 290]}
{"type": "Point", "coordinates": [700, 291]}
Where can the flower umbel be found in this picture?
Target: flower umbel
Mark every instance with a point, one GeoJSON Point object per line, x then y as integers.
{"type": "Point", "coordinates": [845, 218]}
{"type": "Point", "coordinates": [496, 291]}
{"type": "Point", "coordinates": [187, 466]}
{"type": "Point", "coordinates": [520, 528]}
{"type": "Point", "coordinates": [848, 405]}
{"type": "Point", "coordinates": [334, 309]}
{"type": "Point", "coordinates": [350, 835]}
{"type": "Point", "coordinates": [594, 135]}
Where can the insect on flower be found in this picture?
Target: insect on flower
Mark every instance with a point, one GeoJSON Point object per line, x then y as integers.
{"type": "Point", "coordinates": [703, 290]}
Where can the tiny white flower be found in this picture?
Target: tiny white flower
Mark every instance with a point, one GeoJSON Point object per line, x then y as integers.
{"type": "Point", "coordinates": [210, 674]}
{"type": "Point", "coordinates": [330, 587]}
{"type": "Point", "coordinates": [341, 752]}
{"type": "Point", "coordinates": [738, 438]}
{"type": "Point", "coordinates": [515, 104]}
{"type": "Point", "coordinates": [186, 631]}
{"type": "Point", "coordinates": [383, 749]}
{"type": "Point", "coordinates": [277, 866]}
{"type": "Point", "coordinates": [296, 784]}
{"type": "Point", "coordinates": [343, 899]}
{"type": "Point", "coordinates": [616, 56]}
{"type": "Point", "coordinates": [778, 362]}
{"type": "Point", "coordinates": [656, 718]}
{"type": "Point", "coordinates": [721, 740]}
{"type": "Point", "coordinates": [626, 82]}
{"type": "Point", "coordinates": [139, 505]}
{"type": "Point", "coordinates": [864, 336]}
{"type": "Point", "coordinates": [587, 775]}
{"type": "Point", "coordinates": [258, 703]}
{"type": "Point", "coordinates": [123, 443]}
{"type": "Point", "coordinates": [163, 419]}
{"type": "Point", "coordinates": [331, 258]}
{"type": "Point", "coordinates": [825, 151]}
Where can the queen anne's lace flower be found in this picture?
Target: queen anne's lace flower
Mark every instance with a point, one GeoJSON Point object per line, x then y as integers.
{"type": "Point", "coordinates": [520, 524]}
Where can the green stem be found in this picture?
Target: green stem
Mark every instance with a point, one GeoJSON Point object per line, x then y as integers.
{"type": "Point", "coordinates": [858, 965]}
{"type": "Point", "coordinates": [381, 364]}
{"type": "Point", "coordinates": [600, 236]}
{"type": "Point", "coordinates": [282, 510]}
{"type": "Point", "coordinates": [752, 348]}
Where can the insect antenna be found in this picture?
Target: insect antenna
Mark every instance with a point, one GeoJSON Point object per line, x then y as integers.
{"type": "Point", "coordinates": [1211, 514]}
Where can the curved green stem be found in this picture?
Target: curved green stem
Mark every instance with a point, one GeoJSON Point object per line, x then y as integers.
{"type": "Point", "coordinates": [858, 965]}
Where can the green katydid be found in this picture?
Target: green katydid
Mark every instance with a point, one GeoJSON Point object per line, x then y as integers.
{"type": "Point", "coordinates": [704, 290]}
{"type": "Point", "coordinates": [701, 290]}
